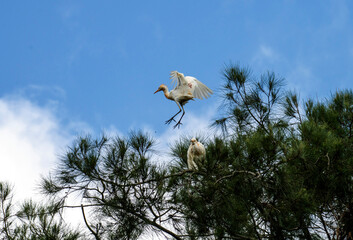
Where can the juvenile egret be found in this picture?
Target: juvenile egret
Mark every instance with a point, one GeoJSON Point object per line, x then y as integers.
{"type": "Point", "coordinates": [187, 88]}
{"type": "Point", "coordinates": [196, 153]}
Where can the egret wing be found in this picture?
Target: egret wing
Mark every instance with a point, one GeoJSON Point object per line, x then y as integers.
{"type": "Point", "coordinates": [177, 78]}
{"type": "Point", "coordinates": [201, 91]}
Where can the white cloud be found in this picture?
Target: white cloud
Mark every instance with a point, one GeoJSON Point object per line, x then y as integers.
{"type": "Point", "coordinates": [30, 140]}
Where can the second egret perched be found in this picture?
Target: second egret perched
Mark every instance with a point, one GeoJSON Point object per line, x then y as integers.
{"type": "Point", "coordinates": [196, 153]}
{"type": "Point", "coordinates": [186, 89]}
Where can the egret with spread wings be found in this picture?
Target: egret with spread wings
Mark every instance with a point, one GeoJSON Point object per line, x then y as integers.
{"type": "Point", "coordinates": [187, 88]}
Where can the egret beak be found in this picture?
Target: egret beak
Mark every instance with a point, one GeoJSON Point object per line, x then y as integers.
{"type": "Point", "coordinates": [157, 90]}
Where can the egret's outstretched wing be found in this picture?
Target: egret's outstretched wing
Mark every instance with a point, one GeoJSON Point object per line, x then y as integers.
{"type": "Point", "coordinates": [201, 91]}
{"type": "Point", "coordinates": [177, 78]}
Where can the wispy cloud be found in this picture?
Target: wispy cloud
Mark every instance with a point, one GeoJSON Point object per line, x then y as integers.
{"type": "Point", "coordinates": [265, 53]}
{"type": "Point", "coordinates": [33, 91]}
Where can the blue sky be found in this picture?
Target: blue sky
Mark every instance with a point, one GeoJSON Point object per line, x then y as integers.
{"type": "Point", "coordinates": [71, 67]}
{"type": "Point", "coordinates": [101, 62]}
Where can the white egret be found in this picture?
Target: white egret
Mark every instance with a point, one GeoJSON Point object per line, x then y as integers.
{"type": "Point", "coordinates": [187, 88]}
{"type": "Point", "coordinates": [196, 153]}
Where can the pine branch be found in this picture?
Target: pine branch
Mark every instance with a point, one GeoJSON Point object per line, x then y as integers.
{"type": "Point", "coordinates": [256, 175]}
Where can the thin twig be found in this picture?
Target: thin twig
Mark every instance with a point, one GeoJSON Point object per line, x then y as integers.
{"type": "Point", "coordinates": [234, 172]}
{"type": "Point", "coordinates": [88, 226]}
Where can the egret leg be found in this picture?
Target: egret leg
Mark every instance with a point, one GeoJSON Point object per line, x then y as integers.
{"type": "Point", "coordinates": [172, 119]}
{"type": "Point", "coordinates": [179, 122]}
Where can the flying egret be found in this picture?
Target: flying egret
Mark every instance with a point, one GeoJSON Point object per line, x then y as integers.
{"type": "Point", "coordinates": [196, 153]}
{"type": "Point", "coordinates": [187, 88]}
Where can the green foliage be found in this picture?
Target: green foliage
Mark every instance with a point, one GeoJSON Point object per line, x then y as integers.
{"type": "Point", "coordinates": [248, 102]}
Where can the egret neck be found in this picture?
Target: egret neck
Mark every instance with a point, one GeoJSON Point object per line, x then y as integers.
{"type": "Point", "coordinates": [166, 92]}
